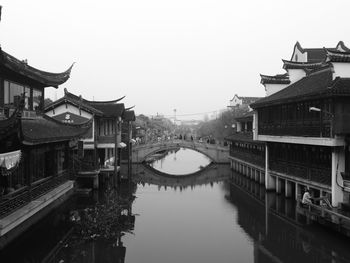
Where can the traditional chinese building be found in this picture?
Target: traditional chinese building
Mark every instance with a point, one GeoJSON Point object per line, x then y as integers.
{"type": "Point", "coordinates": [246, 155]}
{"type": "Point", "coordinates": [240, 101]}
{"type": "Point", "coordinates": [304, 122]}
{"type": "Point", "coordinates": [35, 150]}
{"type": "Point", "coordinates": [108, 117]}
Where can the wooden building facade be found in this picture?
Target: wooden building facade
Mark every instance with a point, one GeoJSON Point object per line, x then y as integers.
{"type": "Point", "coordinates": [305, 125]}
{"type": "Point", "coordinates": [35, 150]}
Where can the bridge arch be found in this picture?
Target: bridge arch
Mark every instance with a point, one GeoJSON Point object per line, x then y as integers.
{"type": "Point", "coordinates": [216, 153]}
{"type": "Point", "coordinates": [166, 148]}
{"type": "Point", "coordinates": [145, 174]}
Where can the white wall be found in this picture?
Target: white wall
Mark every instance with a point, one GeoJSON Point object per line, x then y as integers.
{"type": "Point", "coordinates": [298, 56]}
{"type": "Point", "coordinates": [341, 70]}
{"type": "Point", "coordinates": [273, 88]}
{"type": "Point", "coordinates": [295, 75]}
{"type": "Point", "coordinates": [75, 110]}
{"type": "Point", "coordinates": [71, 109]}
{"type": "Point", "coordinates": [236, 101]}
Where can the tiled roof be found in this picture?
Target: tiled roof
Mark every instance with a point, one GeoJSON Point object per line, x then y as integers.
{"type": "Point", "coordinates": [44, 129]}
{"type": "Point", "coordinates": [110, 109]}
{"type": "Point", "coordinates": [337, 56]}
{"type": "Point", "coordinates": [246, 100]}
{"type": "Point", "coordinates": [301, 65]}
{"type": "Point", "coordinates": [277, 79]}
{"type": "Point", "coordinates": [129, 115]}
{"type": "Point", "coordinates": [77, 102]}
{"type": "Point", "coordinates": [311, 85]}
{"type": "Point", "coordinates": [73, 96]}
{"type": "Point", "coordinates": [315, 55]}
{"type": "Point", "coordinates": [100, 108]}
{"type": "Point", "coordinates": [43, 78]}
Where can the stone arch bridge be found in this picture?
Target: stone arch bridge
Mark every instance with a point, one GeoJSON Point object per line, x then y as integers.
{"type": "Point", "coordinates": [217, 153]}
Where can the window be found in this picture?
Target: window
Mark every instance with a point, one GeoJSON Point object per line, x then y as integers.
{"type": "Point", "coordinates": [13, 93]}
{"type": "Point", "coordinates": [37, 98]}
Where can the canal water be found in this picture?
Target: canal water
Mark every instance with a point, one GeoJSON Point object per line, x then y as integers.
{"type": "Point", "coordinates": [213, 215]}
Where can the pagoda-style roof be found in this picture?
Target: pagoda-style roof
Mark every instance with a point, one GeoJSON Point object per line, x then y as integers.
{"type": "Point", "coordinates": [277, 79]}
{"type": "Point", "coordinates": [337, 56]}
{"type": "Point", "coordinates": [43, 78]}
{"type": "Point", "coordinates": [76, 101]}
{"type": "Point", "coordinates": [288, 64]}
{"type": "Point", "coordinates": [129, 115]}
{"type": "Point", "coordinates": [44, 129]}
{"type": "Point", "coordinates": [75, 97]}
{"type": "Point", "coordinates": [110, 109]}
{"type": "Point", "coordinates": [104, 102]}
{"type": "Point", "coordinates": [41, 129]}
{"type": "Point", "coordinates": [245, 100]}
{"type": "Point", "coordinates": [104, 108]}
{"type": "Point", "coordinates": [315, 55]}
{"type": "Point", "coordinates": [316, 85]}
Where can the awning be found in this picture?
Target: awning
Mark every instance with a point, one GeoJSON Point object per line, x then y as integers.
{"type": "Point", "coordinates": [10, 159]}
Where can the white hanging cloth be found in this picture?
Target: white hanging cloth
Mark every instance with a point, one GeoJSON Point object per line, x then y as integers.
{"type": "Point", "coordinates": [10, 159]}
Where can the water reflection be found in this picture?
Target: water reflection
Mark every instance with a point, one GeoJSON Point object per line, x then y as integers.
{"type": "Point", "coordinates": [213, 215]}
{"type": "Point", "coordinates": [279, 233]}
{"type": "Point", "coordinates": [98, 229]}
{"type": "Point", "coordinates": [179, 161]}
{"type": "Point", "coordinates": [83, 229]}
{"type": "Point", "coordinates": [214, 173]}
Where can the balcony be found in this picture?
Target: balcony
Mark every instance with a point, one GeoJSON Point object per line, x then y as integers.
{"type": "Point", "coordinates": [311, 174]}
{"type": "Point", "coordinates": [296, 128]}
{"type": "Point", "coordinates": [248, 157]}
{"type": "Point", "coordinates": [21, 197]}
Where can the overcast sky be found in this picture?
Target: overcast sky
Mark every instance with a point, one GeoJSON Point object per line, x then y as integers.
{"type": "Point", "coordinates": [188, 55]}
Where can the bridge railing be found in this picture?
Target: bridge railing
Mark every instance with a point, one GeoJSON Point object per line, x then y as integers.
{"type": "Point", "coordinates": [193, 143]}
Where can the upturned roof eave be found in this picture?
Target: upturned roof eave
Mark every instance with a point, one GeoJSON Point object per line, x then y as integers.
{"type": "Point", "coordinates": [78, 104]}
{"type": "Point", "coordinates": [44, 78]}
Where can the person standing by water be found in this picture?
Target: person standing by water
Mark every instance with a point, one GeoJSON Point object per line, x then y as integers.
{"type": "Point", "coordinates": [307, 199]}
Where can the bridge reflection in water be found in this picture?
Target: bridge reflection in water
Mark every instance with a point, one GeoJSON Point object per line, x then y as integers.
{"type": "Point", "coordinates": [274, 230]}
{"type": "Point", "coordinates": [279, 233]}
{"type": "Point", "coordinates": [211, 174]}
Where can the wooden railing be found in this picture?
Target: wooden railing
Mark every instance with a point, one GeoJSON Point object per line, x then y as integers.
{"type": "Point", "coordinates": [312, 174]}
{"type": "Point", "coordinates": [10, 202]}
{"type": "Point", "coordinates": [296, 128]}
{"type": "Point", "coordinates": [248, 157]}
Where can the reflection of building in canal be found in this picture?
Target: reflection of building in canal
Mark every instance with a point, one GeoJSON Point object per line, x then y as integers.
{"type": "Point", "coordinates": [271, 221]}
{"type": "Point", "coordinates": [61, 232]}
{"type": "Point", "coordinates": [106, 244]}
{"type": "Point", "coordinates": [212, 174]}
